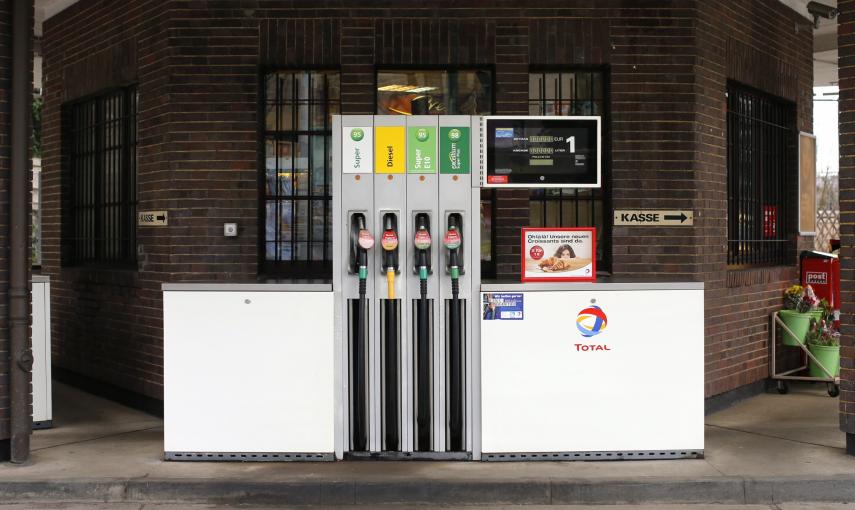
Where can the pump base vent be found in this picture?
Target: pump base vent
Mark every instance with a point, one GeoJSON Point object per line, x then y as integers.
{"type": "Point", "coordinates": [248, 457]}
{"type": "Point", "coordinates": [586, 456]}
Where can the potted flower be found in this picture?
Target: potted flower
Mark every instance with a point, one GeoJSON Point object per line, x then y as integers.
{"type": "Point", "coordinates": [800, 305]}
{"type": "Point", "coordinates": [824, 343]}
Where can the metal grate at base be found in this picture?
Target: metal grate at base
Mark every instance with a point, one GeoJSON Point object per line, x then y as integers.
{"type": "Point", "coordinates": [247, 457]}
{"type": "Point", "coordinates": [41, 425]}
{"type": "Point", "coordinates": [588, 456]}
{"type": "Point", "coordinates": [407, 455]}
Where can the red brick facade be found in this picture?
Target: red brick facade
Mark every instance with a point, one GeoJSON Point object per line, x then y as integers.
{"type": "Point", "coordinates": [846, 70]}
{"type": "Point", "coordinates": [197, 66]}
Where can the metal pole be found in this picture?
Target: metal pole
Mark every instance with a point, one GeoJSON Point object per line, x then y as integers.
{"type": "Point", "coordinates": [19, 194]}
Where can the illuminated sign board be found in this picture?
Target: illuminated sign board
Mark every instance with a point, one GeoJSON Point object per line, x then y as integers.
{"type": "Point", "coordinates": [541, 152]}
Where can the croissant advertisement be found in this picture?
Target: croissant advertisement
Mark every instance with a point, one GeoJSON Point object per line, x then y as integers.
{"type": "Point", "coordinates": [559, 254]}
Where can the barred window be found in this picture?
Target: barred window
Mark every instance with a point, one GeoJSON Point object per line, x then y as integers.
{"type": "Point", "coordinates": [296, 206]}
{"type": "Point", "coordinates": [761, 175]}
{"type": "Point", "coordinates": [100, 137]}
{"type": "Point", "coordinates": [572, 92]}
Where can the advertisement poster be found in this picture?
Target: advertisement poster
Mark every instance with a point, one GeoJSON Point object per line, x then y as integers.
{"type": "Point", "coordinates": [502, 306]}
{"type": "Point", "coordinates": [559, 254]}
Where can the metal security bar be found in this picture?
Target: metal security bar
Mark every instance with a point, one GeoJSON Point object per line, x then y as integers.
{"type": "Point", "coordinates": [295, 180]}
{"type": "Point", "coordinates": [579, 92]}
{"type": "Point", "coordinates": [102, 159]}
{"type": "Point", "coordinates": [761, 175]}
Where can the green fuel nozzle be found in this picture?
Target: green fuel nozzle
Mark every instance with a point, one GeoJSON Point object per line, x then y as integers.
{"type": "Point", "coordinates": [422, 242]}
{"type": "Point", "coordinates": [365, 242]}
{"type": "Point", "coordinates": [452, 242]}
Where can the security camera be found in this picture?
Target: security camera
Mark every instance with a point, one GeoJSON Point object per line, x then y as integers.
{"type": "Point", "coordinates": [819, 10]}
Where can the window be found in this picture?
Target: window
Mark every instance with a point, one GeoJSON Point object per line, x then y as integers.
{"type": "Point", "coordinates": [444, 92]}
{"type": "Point", "coordinates": [296, 210]}
{"type": "Point", "coordinates": [761, 173]}
{"type": "Point", "coordinates": [573, 93]}
{"type": "Point", "coordinates": [101, 138]}
{"type": "Point", "coordinates": [434, 92]}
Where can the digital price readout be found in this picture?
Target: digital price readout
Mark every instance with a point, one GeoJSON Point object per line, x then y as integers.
{"type": "Point", "coordinates": [541, 152]}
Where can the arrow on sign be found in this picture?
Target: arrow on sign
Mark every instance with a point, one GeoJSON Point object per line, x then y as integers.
{"type": "Point", "coordinates": [682, 217]}
{"type": "Point", "coordinates": [161, 217]}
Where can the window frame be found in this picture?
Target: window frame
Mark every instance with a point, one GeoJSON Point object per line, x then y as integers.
{"type": "Point", "coordinates": [129, 171]}
{"type": "Point", "coordinates": [490, 68]}
{"type": "Point", "coordinates": [743, 257]}
{"type": "Point", "coordinates": [294, 269]}
{"type": "Point", "coordinates": [604, 235]}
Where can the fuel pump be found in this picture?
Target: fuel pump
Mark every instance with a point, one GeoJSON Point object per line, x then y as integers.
{"type": "Point", "coordinates": [452, 241]}
{"type": "Point", "coordinates": [391, 336]}
{"type": "Point", "coordinates": [424, 402]}
{"type": "Point", "coordinates": [361, 241]}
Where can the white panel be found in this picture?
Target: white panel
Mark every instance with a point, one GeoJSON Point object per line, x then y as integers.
{"type": "Point", "coordinates": [541, 394]}
{"type": "Point", "coordinates": [248, 372]}
{"type": "Point", "coordinates": [41, 353]}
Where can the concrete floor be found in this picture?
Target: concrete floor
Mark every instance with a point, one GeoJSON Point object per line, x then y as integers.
{"type": "Point", "coordinates": [157, 506]}
{"type": "Point", "coordinates": [792, 436]}
{"type": "Point", "coordinates": [767, 436]}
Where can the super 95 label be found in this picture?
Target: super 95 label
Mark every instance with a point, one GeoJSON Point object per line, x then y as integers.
{"type": "Point", "coordinates": [503, 306]}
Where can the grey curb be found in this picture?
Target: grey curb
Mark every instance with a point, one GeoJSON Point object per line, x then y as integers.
{"type": "Point", "coordinates": [543, 491]}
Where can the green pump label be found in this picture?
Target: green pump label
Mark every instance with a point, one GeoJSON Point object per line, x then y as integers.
{"type": "Point", "coordinates": [421, 150]}
{"type": "Point", "coordinates": [454, 150]}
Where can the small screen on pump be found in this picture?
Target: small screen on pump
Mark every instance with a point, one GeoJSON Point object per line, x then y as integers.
{"type": "Point", "coordinates": [542, 152]}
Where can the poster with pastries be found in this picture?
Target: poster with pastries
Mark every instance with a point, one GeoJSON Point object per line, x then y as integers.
{"type": "Point", "coordinates": [559, 254]}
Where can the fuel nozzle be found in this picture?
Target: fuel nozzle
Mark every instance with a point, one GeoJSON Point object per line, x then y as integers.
{"type": "Point", "coordinates": [389, 243]}
{"type": "Point", "coordinates": [422, 242]}
{"type": "Point", "coordinates": [364, 242]}
{"type": "Point", "coordinates": [452, 241]}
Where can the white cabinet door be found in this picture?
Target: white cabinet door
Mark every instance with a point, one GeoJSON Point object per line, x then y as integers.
{"type": "Point", "coordinates": [248, 372]}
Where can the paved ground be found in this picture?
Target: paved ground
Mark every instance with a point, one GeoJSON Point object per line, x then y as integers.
{"type": "Point", "coordinates": [155, 506]}
{"type": "Point", "coordinates": [769, 448]}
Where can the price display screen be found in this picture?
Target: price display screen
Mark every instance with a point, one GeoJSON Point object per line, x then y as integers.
{"type": "Point", "coordinates": [534, 152]}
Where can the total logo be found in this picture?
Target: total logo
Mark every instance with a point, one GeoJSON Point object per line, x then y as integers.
{"type": "Point", "coordinates": [590, 322]}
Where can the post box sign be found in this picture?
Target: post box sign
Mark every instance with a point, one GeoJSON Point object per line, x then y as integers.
{"type": "Point", "coordinates": [559, 254]}
{"type": "Point", "coordinates": [357, 150]}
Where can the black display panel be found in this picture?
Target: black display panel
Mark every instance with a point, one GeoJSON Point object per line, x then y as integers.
{"type": "Point", "coordinates": [541, 152]}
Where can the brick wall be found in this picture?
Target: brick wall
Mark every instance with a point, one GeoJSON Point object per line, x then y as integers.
{"type": "Point", "coordinates": [5, 168]}
{"type": "Point", "coordinates": [106, 324]}
{"type": "Point", "coordinates": [198, 64]}
{"type": "Point", "coordinates": [846, 70]}
{"type": "Point", "coordinates": [767, 46]}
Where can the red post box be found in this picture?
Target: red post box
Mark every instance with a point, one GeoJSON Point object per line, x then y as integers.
{"type": "Point", "coordinates": [822, 272]}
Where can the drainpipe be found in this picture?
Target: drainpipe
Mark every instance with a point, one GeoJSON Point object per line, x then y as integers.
{"type": "Point", "coordinates": [19, 193]}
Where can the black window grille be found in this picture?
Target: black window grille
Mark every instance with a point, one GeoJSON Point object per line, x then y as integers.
{"type": "Point", "coordinates": [296, 177]}
{"type": "Point", "coordinates": [573, 92]}
{"type": "Point", "coordinates": [100, 136]}
{"type": "Point", "coordinates": [761, 174]}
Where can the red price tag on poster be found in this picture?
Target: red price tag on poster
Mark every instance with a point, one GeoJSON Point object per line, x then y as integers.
{"type": "Point", "coordinates": [559, 254]}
